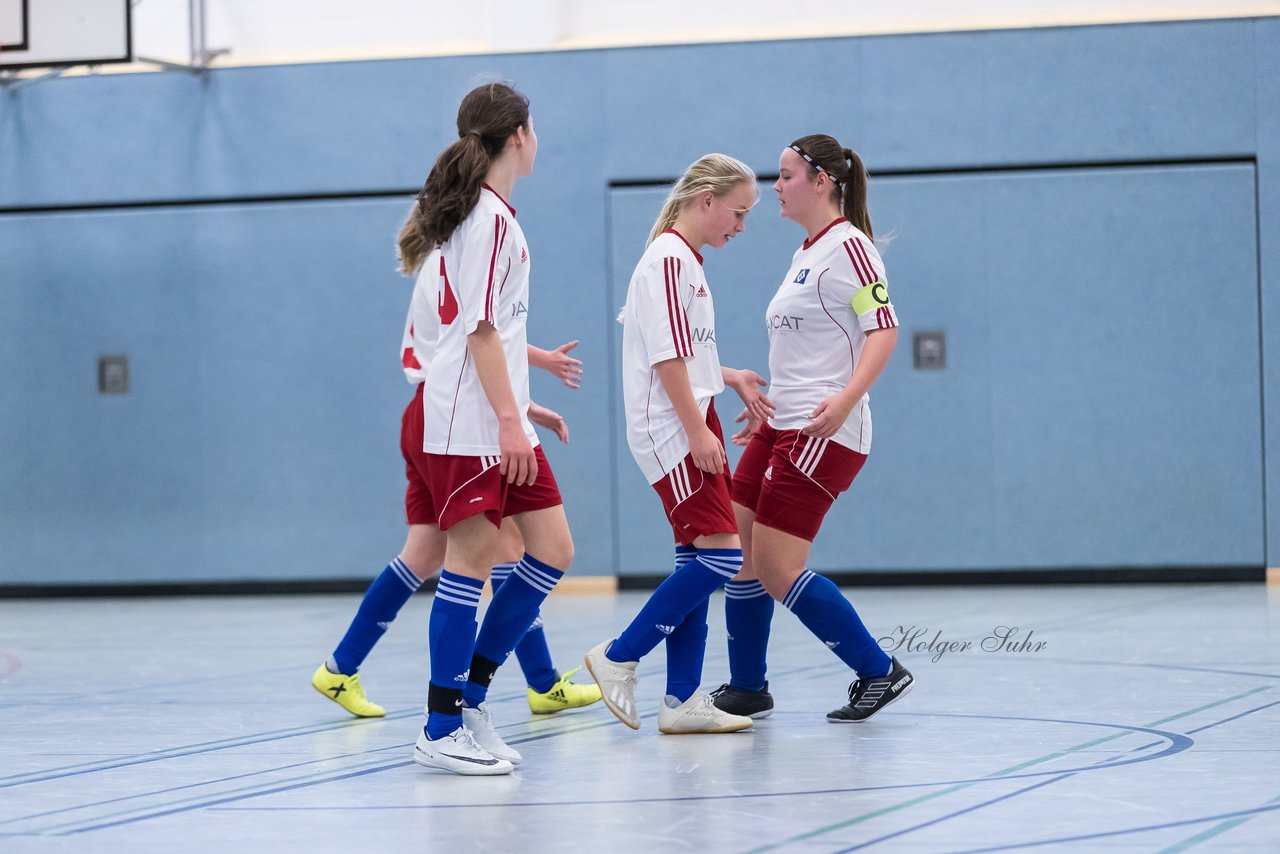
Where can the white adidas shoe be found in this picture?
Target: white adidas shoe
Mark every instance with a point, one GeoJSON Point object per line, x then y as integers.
{"type": "Point", "coordinates": [458, 752]}
{"type": "Point", "coordinates": [698, 714]}
{"type": "Point", "coordinates": [480, 722]}
{"type": "Point", "coordinates": [617, 681]}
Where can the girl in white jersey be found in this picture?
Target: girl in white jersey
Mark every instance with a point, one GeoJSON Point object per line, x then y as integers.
{"type": "Point", "coordinates": [483, 458]}
{"type": "Point", "coordinates": [831, 330]}
{"type": "Point", "coordinates": [424, 547]}
{"type": "Point", "coordinates": [671, 373]}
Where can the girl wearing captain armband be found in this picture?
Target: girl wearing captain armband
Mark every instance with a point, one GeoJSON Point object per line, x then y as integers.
{"type": "Point", "coordinates": [831, 330]}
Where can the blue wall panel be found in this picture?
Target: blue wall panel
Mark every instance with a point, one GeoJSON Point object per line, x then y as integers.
{"type": "Point", "coordinates": [1125, 377]}
{"type": "Point", "coordinates": [259, 438]}
{"type": "Point", "coordinates": [1268, 147]}
{"type": "Point", "coordinates": [1098, 408]}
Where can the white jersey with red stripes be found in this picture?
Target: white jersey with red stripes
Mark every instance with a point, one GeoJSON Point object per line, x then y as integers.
{"type": "Point", "coordinates": [834, 294]}
{"type": "Point", "coordinates": [422, 322]}
{"type": "Point", "coordinates": [669, 314]}
{"type": "Point", "coordinates": [484, 276]}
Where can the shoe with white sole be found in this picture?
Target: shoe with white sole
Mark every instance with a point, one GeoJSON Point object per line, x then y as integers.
{"type": "Point", "coordinates": [868, 696]}
{"type": "Point", "coordinates": [480, 722]}
{"type": "Point", "coordinates": [698, 714]}
{"type": "Point", "coordinates": [458, 752]}
{"type": "Point", "coordinates": [617, 681]}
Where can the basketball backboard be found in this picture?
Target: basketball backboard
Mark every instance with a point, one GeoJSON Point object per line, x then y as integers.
{"type": "Point", "coordinates": [56, 33]}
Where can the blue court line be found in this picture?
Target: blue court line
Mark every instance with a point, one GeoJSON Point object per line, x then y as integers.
{"type": "Point", "coordinates": [1106, 834]}
{"type": "Point", "coordinates": [77, 769]}
{"type": "Point", "coordinates": [952, 815]}
{"type": "Point", "coordinates": [207, 747]}
{"type": "Point", "coordinates": [1147, 665]}
{"type": "Point", "coordinates": [1177, 744]}
{"type": "Point", "coordinates": [1218, 723]}
{"type": "Point", "coordinates": [568, 721]}
{"type": "Point", "coordinates": [1217, 830]}
{"type": "Point", "coordinates": [1064, 776]}
{"type": "Point", "coordinates": [61, 810]}
{"type": "Point", "coordinates": [61, 830]}
{"type": "Point", "coordinates": [882, 811]}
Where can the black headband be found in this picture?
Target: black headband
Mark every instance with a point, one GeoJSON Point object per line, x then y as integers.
{"type": "Point", "coordinates": [815, 164]}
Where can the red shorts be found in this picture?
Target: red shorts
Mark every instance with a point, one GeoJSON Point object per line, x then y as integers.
{"type": "Point", "coordinates": [467, 486]}
{"type": "Point", "coordinates": [419, 508]}
{"type": "Point", "coordinates": [697, 503]}
{"type": "Point", "coordinates": [791, 480]}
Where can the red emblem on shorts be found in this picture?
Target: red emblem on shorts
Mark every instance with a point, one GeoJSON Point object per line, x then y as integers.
{"type": "Point", "coordinates": [524, 254]}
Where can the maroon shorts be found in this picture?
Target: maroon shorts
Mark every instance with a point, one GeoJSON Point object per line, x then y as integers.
{"type": "Point", "coordinates": [790, 480]}
{"type": "Point", "coordinates": [697, 503]}
{"type": "Point", "coordinates": [463, 487]}
{"type": "Point", "coordinates": [419, 508]}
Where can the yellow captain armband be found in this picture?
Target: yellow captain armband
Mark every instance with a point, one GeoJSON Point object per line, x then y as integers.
{"type": "Point", "coordinates": [870, 297]}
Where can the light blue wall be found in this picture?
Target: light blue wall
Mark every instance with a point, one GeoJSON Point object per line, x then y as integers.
{"type": "Point", "coordinates": [1111, 352]}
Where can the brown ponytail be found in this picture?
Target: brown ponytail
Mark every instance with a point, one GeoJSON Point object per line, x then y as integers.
{"type": "Point", "coordinates": [824, 153]}
{"type": "Point", "coordinates": [487, 117]}
{"type": "Point", "coordinates": [855, 193]}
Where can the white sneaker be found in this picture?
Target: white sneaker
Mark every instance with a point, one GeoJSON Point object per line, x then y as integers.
{"type": "Point", "coordinates": [697, 714]}
{"type": "Point", "coordinates": [617, 681]}
{"type": "Point", "coordinates": [458, 752]}
{"type": "Point", "coordinates": [480, 722]}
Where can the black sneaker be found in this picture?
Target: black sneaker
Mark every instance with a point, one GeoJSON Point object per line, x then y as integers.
{"type": "Point", "coordinates": [868, 696]}
{"type": "Point", "coordinates": [748, 704]}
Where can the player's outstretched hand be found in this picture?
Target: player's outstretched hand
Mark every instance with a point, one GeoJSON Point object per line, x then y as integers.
{"type": "Point", "coordinates": [743, 437]}
{"type": "Point", "coordinates": [827, 418]}
{"type": "Point", "coordinates": [708, 453]}
{"type": "Point", "coordinates": [519, 465]}
{"type": "Point", "coordinates": [747, 384]}
{"type": "Point", "coordinates": [564, 366]}
{"type": "Point", "coordinates": [549, 419]}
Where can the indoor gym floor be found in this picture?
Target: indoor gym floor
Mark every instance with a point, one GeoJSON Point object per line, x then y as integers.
{"type": "Point", "coordinates": [1149, 720]}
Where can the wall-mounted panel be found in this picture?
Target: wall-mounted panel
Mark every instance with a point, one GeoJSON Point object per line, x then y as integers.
{"type": "Point", "coordinates": [1099, 403]}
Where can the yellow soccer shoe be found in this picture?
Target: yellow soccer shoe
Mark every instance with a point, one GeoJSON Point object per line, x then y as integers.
{"type": "Point", "coordinates": [563, 695]}
{"type": "Point", "coordinates": [346, 692]}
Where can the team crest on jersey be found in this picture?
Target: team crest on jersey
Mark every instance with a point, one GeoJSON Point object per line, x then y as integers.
{"type": "Point", "coordinates": [702, 291]}
{"type": "Point", "coordinates": [801, 276]}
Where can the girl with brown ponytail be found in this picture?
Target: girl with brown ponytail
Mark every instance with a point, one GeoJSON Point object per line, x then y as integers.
{"type": "Point", "coordinates": [483, 460]}
{"type": "Point", "coordinates": [831, 331]}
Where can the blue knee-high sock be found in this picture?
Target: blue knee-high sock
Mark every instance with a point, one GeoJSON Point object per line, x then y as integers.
{"type": "Point", "coordinates": [510, 614]}
{"type": "Point", "coordinates": [453, 640]}
{"type": "Point", "coordinates": [532, 652]}
{"type": "Point", "coordinates": [381, 602]}
{"type": "Point", "coordinates": [825, 612]}
{"type": "Point", "coordinates": [683, 590]}
{"type": "Point", "coordinates": [687, 645]}
{"type": "Point", "coordinates": [748, 612]}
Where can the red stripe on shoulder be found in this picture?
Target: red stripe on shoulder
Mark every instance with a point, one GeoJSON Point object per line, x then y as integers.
{"type": "Point", "coordinates": [858, 270]}
{"type": "Point", "coordinates": [866, 258]}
